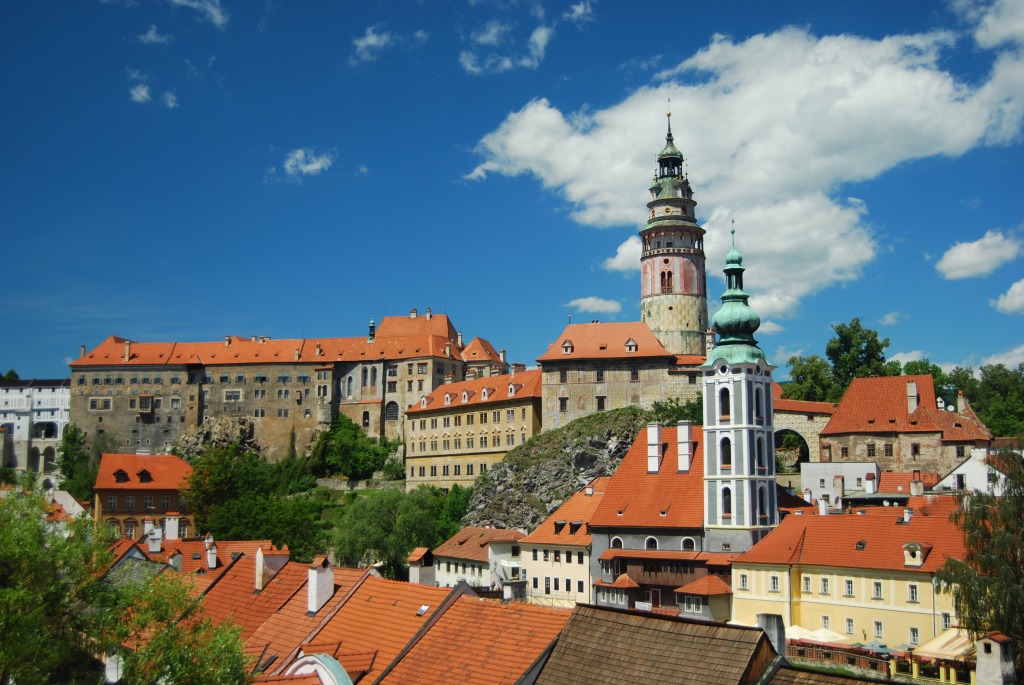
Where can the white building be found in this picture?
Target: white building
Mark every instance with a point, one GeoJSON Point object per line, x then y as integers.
{"type": "Point", "coordinates": [486, 558]}
{"type": "Point", "coordinates": [33, 417]}
{"type": "Point", "coordinates": [978, 472]}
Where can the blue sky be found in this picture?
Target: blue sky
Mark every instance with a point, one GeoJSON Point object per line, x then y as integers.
{"type": "Point", "coordinates": [190, 169]}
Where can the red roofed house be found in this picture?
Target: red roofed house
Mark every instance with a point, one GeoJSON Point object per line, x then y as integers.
{"type": "Point", "coordinates": [131, 488]}
{"type": "Point", "coordinates": [866, 575]}
{"type": "Point", "coordinates": [556, 555]}
{"type": "Point", "coordinates": [460, 429]}
{"type": "Point", "coordinates": [486, 558]}
{"type": "Point", "coordinates": [899, 423]}
{"type": "Point", "coordinates": [597, 366]}
{"type": "Point", "coordinates": [148, 392]}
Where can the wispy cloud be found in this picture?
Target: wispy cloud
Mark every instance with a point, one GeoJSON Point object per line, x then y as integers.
{"type": "Point", "coordinates": [1012, 301]}
{"type": "Point", "coordinates": [208, 10]}
{"type": "Point", "coordinates": [299, 163]}
{"type": "Point", "coordinates": [904, 357]}
{"type": "Point", "coordinates": [978, 258]}
{"type": "Point", "coordinates": [376, 40]}
{"type": "Point", "coordinates": [140, 94]}
{"type": "Point", "coordinates": [493, 33]}
{"type": "Point", "coordinates": [1010, 358]}
{"type": "Point", "coordinates": [152, 37]}
{"type": "Point", "coordinates": [595, 305]}
{"type": "Point", "coordinates": [362, 170]}
{"type": "Point", "coordinates": [579, 13]}
{"type": "Point", "coordinates": [892, 318]}
{"type": "Point", "coordinates": [169, 99]}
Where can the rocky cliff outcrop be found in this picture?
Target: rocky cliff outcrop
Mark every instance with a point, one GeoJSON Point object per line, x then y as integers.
{"type": "Point", "coordinates": [536, 478]}
{"type": "Point", "coordinates": [221, 431]}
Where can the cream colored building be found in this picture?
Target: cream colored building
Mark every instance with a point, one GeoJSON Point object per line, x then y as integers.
{"type": "Point", "coordinates": [460, 430]}
{"type": "Point", "coordinates": [867, 575]}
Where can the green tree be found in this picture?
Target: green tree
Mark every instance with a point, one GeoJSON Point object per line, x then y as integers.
{"type": "Point", "coordinates": [988, 583]}
{"type": "Point", "coordinates": [346, 449]}
{"type": "Point", "coordinates": [923, 367]}
{"type": "Point", "coordinates": [78, 462]}
{"type": "Point", "coordinates": [811, 380]}
{"type": "Point", "coordinates": [996, 394]}
{"type": "Point", "coordinates": [12, 375]}
{"type": "Point", "coordinates": [855, 352]}
{"type": "Point", "coordinates": [456, 503]}
{"type": "Point", "coordinates": [673, 411]}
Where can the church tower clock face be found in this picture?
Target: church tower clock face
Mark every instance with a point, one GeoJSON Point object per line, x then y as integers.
{"type": "Point", "coordinates": [673, 283]}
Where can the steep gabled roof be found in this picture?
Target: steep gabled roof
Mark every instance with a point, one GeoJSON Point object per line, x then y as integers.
{"type": "Point", "coordinates": [168, 472]}
{"type": "Point", "coordinates": [570, 523]}
{"type": "Point", "coordinates": [479, 642]}
{"type": "Point", "coordinates": [471, 543]}
{"type": "Point", "coordinates": [233, 596]}
{"type": "Point", "coordinates": [480, 351]}
{"type": "Point", "coordinates": [635, 498]}
{"type": "Point", "coordinates": [605, 341]}
{"type": "Point", "coordinates": [707, 586]}
{"type": "Point", "coordinates": [527, 385]}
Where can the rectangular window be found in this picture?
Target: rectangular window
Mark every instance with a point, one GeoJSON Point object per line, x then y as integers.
{"type": "Point", "coordinates": [600, 375]}
{"type": "Point", "coordinates": [844, 452]}
{"type": "Point", "coordinates": [444, 470]}
{"type": "Point", "coordinates": [469, 419]}
{"type": "Point", "coordinates": [915, 449]}
{"type": "Point", "coordinates": [876, 592]}
{"type": "Point", "coordinates": [232, 395]}
{"type": "Point", "coordinates": [849, 626]}
{"type": "Point", "coordinates": [547, 585]}
{"type": "Point", "coordinates": [421, 367]}
{"type": "Point", "coordinates": [458, 470]}
{"type": "Point", "coordinates": [535, 582]}
{"type": "Point", "coordinates": [887, 449]}
{"type": "Point", "coordinates": [807, 583]}
{"type": "Point", "coordinates": [483, 441]}
{"type": "Point", "coordinates": [824, 586]}
{"type": "Point", "coordinates": [510, 439]}
{"type": "Point", "coordinates": [556, 583]}
{"type": "Point", "coordinates": [392, 386]}
{"type": "Point", "coordinates": [483, 467]}
{"type": "Point", "coordinates": [579, 587]}
{"type": "Point", "coordinates": [579, 557]}
{"type": "Point", "coordinates": [773, 584]}
{"type": "Point", "coordinates": [947, 620]}
{"type": "Point", "coordinates": [824, 622]}
{"type": "Point", "coordinates": [510, 415]}
{"type": "Point", "coordinates": [912, 593]}
{"type": "Point", "coordinates": [563, 404]}
{"type": "Point", "coordinates": [446, 421]}
{"type": "Point", "coordinates": [558, 555]}
{"type": "Point", "coordinates": [915, 636]}
{"type": "Point", "coordinates": [112, 502]}
{"type": "Point", "coordinates": [546, 553]}
{"type": "Point", "coordinates": [960, 451]}
{"type": "Point", "coordinates": [433, 470]}
{"type": "Point", "coordinates": [600, 403]}
{"type": "Point", "coordinates": [469, 469]}
{"type": "Point", "coordinates": [423, 471]}
{"type": "Point", "coordinates": [147, 501]}
{"type": "Point", "coordinates": [744, 582]}
{"type": "Point", "coordinates": [129, 502]}
{"type": "Point", "coordinates": [483, 418]}
{"type": "Point", "coordinates": [878, 629]}
{"type": "Point", "coordinates": [175, 403]}
{"type": "Point", "coordinates": [849, 588]}
{"type": "Point", "coordinates": [165, 503]}
{"type": "Point", "coordinates": [634, 374]}
{"type": "Point", "coordinates": [535, 554]}
{"type": "Point", "coordinates": [282, 413]}
{"type": "Point", "coordinates": [871, 449]}
{"type": "Point", "coordinates": [563, 376]}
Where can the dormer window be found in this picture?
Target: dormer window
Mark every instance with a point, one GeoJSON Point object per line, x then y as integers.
{"type": "Point", "coordinates": [914, 554]}
{"type": "Point", "coordinates": [423, 403]}
{"type": "Point", "coordinates": [631, 346]}
{"type": "Point", "coordinates": [559, 525]}
{"type": "Point", "coordinates": [511, 390]}
{"type": "Point", "coordinates": [120, 476]}
{"type": "Point", "coordinates": [447, 398]}
{"type": "Point", "coordinates": [483, 394]}
{"type": "Point", "coordinates": [567, 347]}
{"type": "Point", "coordinates": [145, 476]}
{"type": "Point", "coordinates": [465, 396]}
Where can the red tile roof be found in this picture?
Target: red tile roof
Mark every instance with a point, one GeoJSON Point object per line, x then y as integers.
{"type": "Point", "coordinates": [707, 586]}
{"type": "Point", "coordinates": [879, 405]}
{"type": "Point", "coordinates": [226, 551]}
{"type": "Point", "coordinates": [605, 341]}
{"type": "Point", "coordinates": [636, 498]}
{"type": "Point", "coordinates": [893, 482]}
{"type": "Point", "coordinates": [471, 543]}
{"type": "Point", "coordinates": [525, 384]}
{"type": "Point", "coordinates": [418, 554]}
{"type": "Point", "coordinates": [233, 596]}
{"type": "Point", "coordinates": [479, 642]}
{"type": "Point", "coordinates": [572, 518]}
{"type": "Point", "coordinates": [622, 582]}
{"type": "Point", "coordinates": [799, 406]}
{"type": "Point", "coordinates": [168, 472]}
{"type": "Point", "coordinates": [380, 616]}
{"type": "Point", "coordinates": [479, 350]}
{"type": "Point", "coordinates": [832, 540]}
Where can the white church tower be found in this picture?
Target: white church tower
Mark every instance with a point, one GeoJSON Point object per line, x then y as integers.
{"type": "Point", "coordinates": [740, 501]}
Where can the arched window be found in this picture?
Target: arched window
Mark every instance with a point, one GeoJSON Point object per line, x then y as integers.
{"type": "Point", "coordinates": [616, 543]}
{"type": "Point", "coordinates": [366, 373]}
{"type": "Point", "coordinates": [726, 453]}
{"type": "Point", "coordinates": [758, 405]}
{"type": "Point", "coordinates": [349, 386]}
{"type": "Point", "coordinates": [726, 503]}
{"type": "Point", "coordinates": [391, 411]}
{"type": "Point", "coordinates": [651, 543]}
{"type": "Point", "coordinates": [373, 377]}
{"type": "Point", "coordinates": [666, 281]}
{"type": "Point", "coordinates": [366, 418]}
{"type": "Point", "coordinates": [723, 403]}
{"type": "Point", "coordinates": [689, 545]}
{"type": "Point", "coordinates": [762, 506]}
{"type": "Point", "coordinates": [760, 454]}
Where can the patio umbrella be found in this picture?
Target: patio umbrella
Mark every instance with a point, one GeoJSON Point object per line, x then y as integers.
{"type": "Point", "coordinates": [824, 635]}
{"type": "Point", "coordinates": [796, 632]}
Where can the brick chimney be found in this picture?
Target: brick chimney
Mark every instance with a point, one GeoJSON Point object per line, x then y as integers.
{"type": "Point", "coordinates": [320, 585]}
{"type": "Point", "coordinates": [684, 431]}
{"type": "Point", "coordinates": [653, 447]}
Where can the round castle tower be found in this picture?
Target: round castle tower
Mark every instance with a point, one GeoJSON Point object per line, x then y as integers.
{"type": "Point", "coordinates": [673, 285]}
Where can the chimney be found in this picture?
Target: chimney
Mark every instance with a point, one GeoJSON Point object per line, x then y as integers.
{"type": "Point", "coordinates": [448, 349]}
{"type": "Point", "coordinates": [127, 350]}
{"type": "Point", "coordinates": [267, 566]}
{"type": "Point", "coordinates": [808, 495]}
{"type": "Point", "coordinates": [208, 540]}
{"type": "Point", "coordinates": [870, 486]}
{"type": "Point", "coordinates": [775, 629]}
{"type": "Point", "coordinates": [82, 350]}
{"type": "Point", "coordinates": [428, 315]}
{"type": "Point", "coordinates": [171, 525]}
{"type": "Point", "coordinates": [412, 313]}
{"type": "Point", "coordinates": [458, 339]}
{"type": "Point", "coordinates": [147, 525]}
{"type": "Point", "coordinates": [319, 350]}
{"type": "Point", "coordinates": [684, 438]}
{"type": "Point", "coordinates": [227, 341]}
{"type": "Point", "coordinates": [911, 396]}
{"type": "Point", "coordinates": [155, 540]}
{"type": "Point", "coordinates": [518, 367]}
{"type": "Point", "coordinates": [501, 355]}
{"type": "Point", "coordinates": [822, 507]}
{"type": "Point", "coordinates": [296, 354]}
{"type": "Point", "coordinates": [448, 378]}
{"type": "Point", "coordinates": [653, 447]}
{"type": "Point", "coordinates": [211, 554]}
{"type": "Point", "coordinates": [907, 514]}
{"type": "Point", "coordinates": [320, 585]}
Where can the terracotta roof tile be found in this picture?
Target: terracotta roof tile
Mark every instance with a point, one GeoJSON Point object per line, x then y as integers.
{"type": "Point", "coordinates": [418, 554]}
{"type": "Point", "coordinates": [893, 482]}
{"type": "Point", "coordinates": [605, 341]}
{"type": "Point", "coordinates": [479, 350]}
{"type": "Point", "coordinates": [479, 642]}
{"type": "Point", "coordinates": [526, 384]}
{"type": "Point", "coordinates": [471, 543]}
{"type": "Point", "coordinates": [666, 499]}
{"type": "Point", "coordinates": [190, 548]}
{"type": "Point", "coordinates": [167, 472]}
{"type": "Point", "coordinates": [233, 596]}
{"type": "Point", "coordinates": [707, 586]}
{"type": "Point", "coordinates": [622, 582]}
{"type": "Point", "coordinates": [569, 524]}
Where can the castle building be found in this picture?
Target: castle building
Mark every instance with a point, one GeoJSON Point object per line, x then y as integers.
{"type": "Point", "coordinates": [144, 394]}
{"type": "Point", "coordinates": [33, 416]}
{"type": "Point", "coordinates": [597, 366]}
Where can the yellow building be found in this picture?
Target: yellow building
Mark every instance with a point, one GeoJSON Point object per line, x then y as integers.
{"type": "Point", "coordinates": [866, 575]}
{"type": "Point", "coordinates": [460, 430]}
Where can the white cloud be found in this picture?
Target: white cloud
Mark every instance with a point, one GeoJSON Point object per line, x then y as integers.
{"type": "Point", "coordinates": [494, 63]}
{"type": "Point", "coordinates": [362, 170]}
{"type": "Point", "coordinates": [537, 45]}
{"type": "Point", "coordinates": [169, 99]}
{"type": "Point", "coordinates": [1012, 301]}
{"type": "Point", "coordinates": [769, 328]}
{"type": "Point", "coordinates": [579, 13]}
{"type": "Point", "coordinates": [209, 10]}
{"type": "Point", "coordinates": [370, 45]}
{"type": "Point", "coordinates": [596, 305]}
{"type": "Point", "coordinates": [904, 357]}
{"type": "Point", "coordinates": [980, 258]}
{"type": "Point", "coordinates": [1010, 358]}
{"type": "Point", "coordinates": [627, 256]}
{"type": "Point", "coordinates": [998, 22]}
{"type": "Point", "coordinates": [140, 94]}
{"type": "Point", "coordinates": [892, 318]}
{"type": "Point", "coordinates": [493, 33]}
{"type": "Point", "coordinates": [772, 128]}
{"type": "Point", "coordinates": [151, 37]}
{"type": "Point", "coordinates": [305, 162]}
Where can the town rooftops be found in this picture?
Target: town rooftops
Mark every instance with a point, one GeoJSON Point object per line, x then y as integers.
{"type": "Point", "coordinates": [481, 391]}
{"type": "Point", "coordinates": [234, 597]}
{"type": "Point", "coordinates": [872, 538]}
{"type": "Point", "coordinates": [471, 543]}
{"type": "Point", "coordinates": [668, 498]}
{"type": "Point", "coordinates": [569, 524]}
{"type": "Point", "coordinates": [605, 341]}
{"type": "Point", "coordinates": [892, 482]}
{"type": "Point", "coordinates": [142, 472]}
{"type": "Point", "coordinates": [36, 383]}
{"type": "Point", "coordinates": [799, 406]}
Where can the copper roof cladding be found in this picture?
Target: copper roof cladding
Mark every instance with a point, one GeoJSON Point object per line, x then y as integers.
{"type": "Point", "coordinates": [635, 498]}
{"type": "Point", "coordinates": [605, 341]}
{"type": "Point", "coordinates": [168, 472]}
{"type": "Point", "coordinates": [480, 642]}
{"type": "Point", "coordinates": [569, 524]}
{"type": "Point", "coordinates": [527, 384]}
{"type": "Point", "coordinates": [873, 540]}
{"type": "Point", "coordinates": [879, 405]}
{"type": "Point", "coordinates": [471, 543]}
{"type": "Point", "coordinates": [381, 616]}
